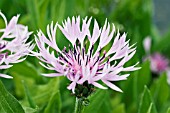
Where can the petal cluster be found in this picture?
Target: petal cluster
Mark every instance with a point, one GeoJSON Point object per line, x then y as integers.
{"type": "Point", "coordinates": [158, 63]}
{"type": "Point", "coordinates": [86, 59]}
{"type": "Point", "coordinates": [13, 43]}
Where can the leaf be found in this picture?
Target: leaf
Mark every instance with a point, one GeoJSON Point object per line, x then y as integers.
{"type": "Point", "coordinates": [42, 93]}
{"type": "Point", "coordinates": [97, 101]}
{"type": "Point", "coordinates": [54, 104]}
{"type": "Point", "coordinates": [8, 102]}
{"type": "Point", "coordinates": [161, 45]}
{"type": "Point", "coordinates": [28, 95]}
{"type": "Point", "coordinates": [30, 110]}
{"type": "Point", "coordinates": [150, 108]}
{"type": "Point", "coordinates": [68, 101]}
{"type": "Point", "coordinates": [160, 91]}
{"type": "Point", "coordinates": [134, 85]}
{"type": "Point", "coordinates": [144, 76]}
{"type": "Point", "coordinates": [107, 105]}
{"type": "Point", "coordinates": [164, 108]}
{"type": "Point", "coordinates": [119, 109]}
{"type": "Point", "coordinates": [32, 8]}
{"type": "Point", "coordinates": [168, 111]}
{"type": "Point", "coordinates": [58, 8]}
{"type": "Point", "coordinates": [146, 102]}
{"type": "Point", "coordinates": [25, 69]}
{"type": "Point", "coordinates": [1, 109]}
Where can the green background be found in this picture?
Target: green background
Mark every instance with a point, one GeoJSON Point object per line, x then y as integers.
{"type": "Point", "coordinates": [32, 93]}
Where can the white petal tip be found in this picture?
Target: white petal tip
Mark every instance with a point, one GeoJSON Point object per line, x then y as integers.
{"type": "Point", "coordinates": [6, 76]}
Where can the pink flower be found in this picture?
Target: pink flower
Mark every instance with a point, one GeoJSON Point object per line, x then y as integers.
{"type": "Point", "coordinates": [13, 45]}
{"type": "Point", "coordinates": [147, 44]}
{"type": "Point", "coordinates": [83, 62]}
{"type": "Point", "coordinates": [158, 63]}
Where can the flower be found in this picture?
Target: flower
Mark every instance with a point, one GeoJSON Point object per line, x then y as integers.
{"type": "Point", "coordinates": [147, 44]}
{"type": "Point", "coordinates": [158, 63]}
{"type": "Point", "coordinates": [13, 43]}
{"type": "Point", "coordinates": [81, 63]}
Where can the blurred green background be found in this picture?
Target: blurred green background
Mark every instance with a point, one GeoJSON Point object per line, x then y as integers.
{"type": "Point", "coordinates": [143, 93]}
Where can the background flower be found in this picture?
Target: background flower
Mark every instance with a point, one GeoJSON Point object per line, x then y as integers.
{"type": "Point", "coordinates": [158, 62]}
{"type": "Point", "coordinates": [13, 43]}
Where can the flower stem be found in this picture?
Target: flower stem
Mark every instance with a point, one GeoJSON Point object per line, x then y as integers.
{"type": "Point", "coordinates": [79, 107]}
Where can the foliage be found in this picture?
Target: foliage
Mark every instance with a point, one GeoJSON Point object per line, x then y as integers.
{"type": "Point", "coordinates": [30, 92]}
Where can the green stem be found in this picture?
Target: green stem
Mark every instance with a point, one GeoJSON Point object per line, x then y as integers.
{"type": "Point", "coordinates": [79, 107]}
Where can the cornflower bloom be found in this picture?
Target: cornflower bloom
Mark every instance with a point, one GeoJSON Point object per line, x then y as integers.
{"type": "Point", "coordinates": [13, 45]}
{"type": "Point", "coordinates": [82, 63]}
{"type": "Point", "coordinates": [158, 62]}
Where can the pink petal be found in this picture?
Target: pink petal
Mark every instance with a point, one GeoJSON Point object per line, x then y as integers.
{"type": "Point", "coordinates": [96, 33]}
{"type": "Point", "coordinates": [147, 44]}
{"type": "Point", "coordinates": [99, 85]}
{"type": "Point", "coordinates": [72, 87]}
{"type": "Point", "coordinates": [6, 76]}
{"type": "Point", "coordinates": [5, 66]}
{"type": "Point", "coordinates": [53, 74]}
{"type": "Point", "coordinates": [112, 86]}
{"type": "Point", "coordinates": [116, 77]}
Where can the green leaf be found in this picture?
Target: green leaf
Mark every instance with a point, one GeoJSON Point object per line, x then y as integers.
{"type": "Point", "coordinates": [161, 45]}
{"type": "Point", "coordinates": [168, 111]}
{"type": "Point", "coordinates": [1, 109]}
{"type": "Point", "coordinates": [42, 93]}
{"type": "Point", "coordinates": [58, 7]}
{"type": "Point", "coordinates": [54, 105]}
{"type": "Point", "coordinates": [160, 91]}
{"type": "Point", "coordinates": [8, 102]}
{"type": "Point", "coordinates": [150, 108]}
{"type": "Point", "coordinates": [134, 86]}
{"type": "Point", "coordinates": [97, 102]}
{"type": "Point", "coordinates": [25, 69]}
{"type": "Point", "coordinates": [146, 102]}
{"type": "Point", "coordinates": [33, 9]}
{"type": "Point", "coordinates": [144, 76]}
{"type": "Point", "coordinates": [28, 95]}
{"type": "Point", "coordinates": [119, 109]}
{"type": "Point", "coordinates": [164, 108]}
{"type": "Point", "coordinates": [30, 110]}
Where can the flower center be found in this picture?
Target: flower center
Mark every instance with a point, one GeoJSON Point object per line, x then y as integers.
{"type": "Point", "coordinates": [77, 58]}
